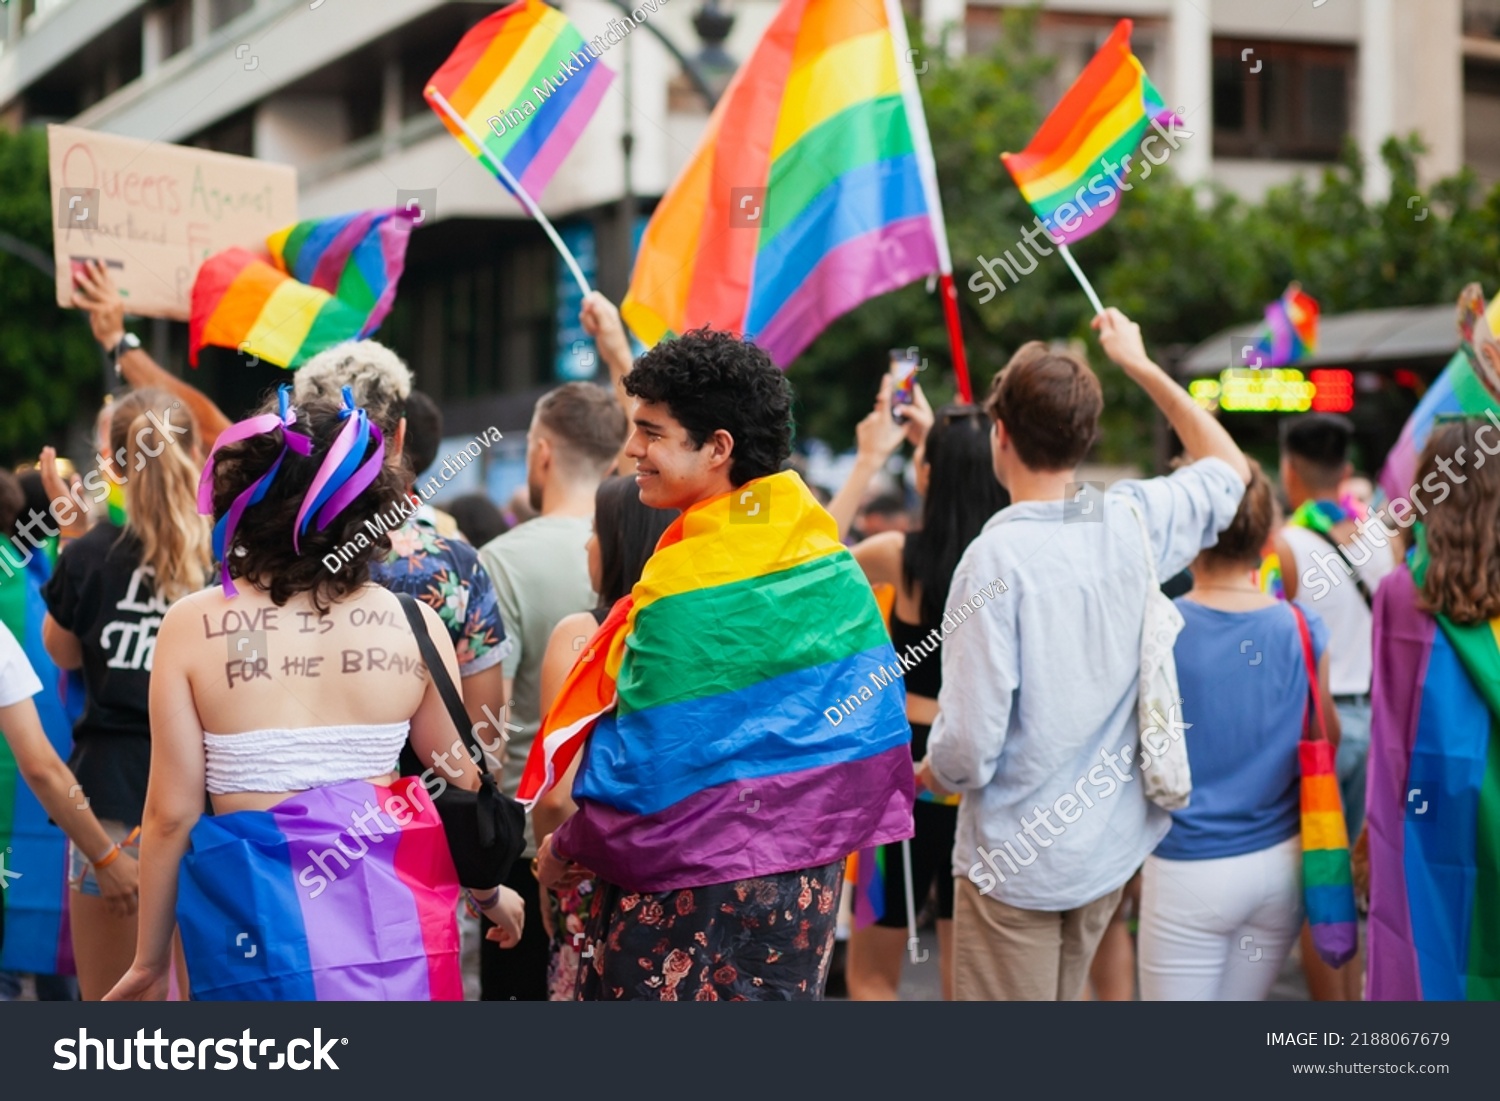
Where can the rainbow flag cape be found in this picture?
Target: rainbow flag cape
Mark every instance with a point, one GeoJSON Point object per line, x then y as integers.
{"type": "Point", "coordinates": [37, 939]}
{"type": "Point", "coordinates": [1291, 331]}
{"type": "Point", "coordinates": [341, 893]}
{"type": "Point", "coordinates": [524, 83]}
{"type": "Point", "coordinates": [812, 189]}
{"type": "Point", "coordinates": [1459, 389]}
{"type": "Point", "coordinates": [1434, 800]}
{"type": "Point", "coordinates": [730, 731]}
{"type": "Point", "coordinates": [331, 280]}
{"type": "Point", "coordinates": [1065, 171]}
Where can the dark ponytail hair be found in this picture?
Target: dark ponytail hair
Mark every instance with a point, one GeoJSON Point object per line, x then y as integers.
{"type": "Point", "coordinates": [628, 532]}
{"type": "Point", "coordinates": [962, 494]}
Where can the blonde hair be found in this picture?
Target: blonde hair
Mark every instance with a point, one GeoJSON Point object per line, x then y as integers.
{"type": "Point", "coordinates": [152, 439]}
{"type": "Point", "coordinates": [379, 379]}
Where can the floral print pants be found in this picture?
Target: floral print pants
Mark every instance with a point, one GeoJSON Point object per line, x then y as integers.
{"type": "Point", "coordinates": [763, 939]}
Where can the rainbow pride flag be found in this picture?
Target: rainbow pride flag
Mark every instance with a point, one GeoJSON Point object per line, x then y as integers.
{"type": "Point", "coordinates": [1071, 170]}
{"type": "Point", "coordinates": [332, 280]}
{"type": "Point", "coordinates": [341, 893]}
{"type": "Point", "coordinates": [1457, 390]}
{"type": "Point", "coordinates": [1327, 887]}
{"type": "Point", "coordinates": [866, 873]}
{"type": "Point", "coordinates": [524, 83]}
{"type": "Point", "coordinates": [1291, 332]}
{"type": "Point", "coordinates": [37, 939]}
{"type": "Point", "coordinates": [812, 189]}
{"type": "Point", "coordinates": [732, 731]}
{"type": "Point", "coordinates": [1433, 814]}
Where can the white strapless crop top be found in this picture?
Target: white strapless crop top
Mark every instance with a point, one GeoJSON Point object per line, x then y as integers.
{"type": "Point", "coordinates": [302, 758]}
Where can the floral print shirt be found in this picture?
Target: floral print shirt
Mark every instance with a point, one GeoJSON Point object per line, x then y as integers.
{"type": "Point", "coordinates": [446, 575]}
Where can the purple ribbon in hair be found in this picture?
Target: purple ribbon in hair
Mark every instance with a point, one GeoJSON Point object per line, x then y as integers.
{"type": "Point", "coordinates": [345, 473]}
{"type": "Point", "coordinates": [256, 491]}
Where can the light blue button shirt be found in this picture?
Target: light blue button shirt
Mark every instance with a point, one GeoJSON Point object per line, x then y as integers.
{"type": "Point", "coordinates": [1037, 715]}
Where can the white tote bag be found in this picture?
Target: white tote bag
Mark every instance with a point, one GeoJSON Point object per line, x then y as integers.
{"type": "Point", "coordinates": [1162, 753]}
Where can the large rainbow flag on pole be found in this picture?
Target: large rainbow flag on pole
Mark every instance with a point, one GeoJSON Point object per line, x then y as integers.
{"type": "Point", "coordinates": [1070, 172]}
{"type": "Point", "coordinates": [1434, 802]}
{"type": "Point", "coordinates": [341, 893]}
{"type": "Point", "coordinates": [748, 718]}
{"type": "Point", "coordinates": [1461, 388]}
{"type": "Point", "coordinates": [812, 189]}
{"type": "Point", "coordinates": [330, 280]}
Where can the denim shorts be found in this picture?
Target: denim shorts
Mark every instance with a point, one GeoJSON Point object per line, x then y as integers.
{"type": "Point", "coordinates": [81, 868]}
{"type": "Point", "coordinates": [1353, 750]}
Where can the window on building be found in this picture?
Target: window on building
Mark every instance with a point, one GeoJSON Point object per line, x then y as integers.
{"type": "Point", "coordinates": [235, 134]}
{"type": "Point", "coordinates": [221, 12]}
{"type": "Point", "coordinates": [176, 27]}
{"type": "Point", "coordinates": [1281, 100]}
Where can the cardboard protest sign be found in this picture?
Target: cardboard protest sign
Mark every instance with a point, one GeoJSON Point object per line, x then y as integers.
{"type": "Point", "coordinates": [153, 212]}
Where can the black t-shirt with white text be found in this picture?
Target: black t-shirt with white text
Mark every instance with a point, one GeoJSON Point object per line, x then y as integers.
{"type": "Point", "coordinates": [101, 592]}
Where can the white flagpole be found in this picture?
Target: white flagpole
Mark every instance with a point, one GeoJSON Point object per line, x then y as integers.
{"type": "Point", "coordinates": [1083, 281]}
{"type": "Point", "coordinates": [436, 97]}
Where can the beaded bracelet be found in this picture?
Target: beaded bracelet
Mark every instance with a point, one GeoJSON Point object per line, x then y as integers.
{"type": "Point", "coordinates": [475, 906]}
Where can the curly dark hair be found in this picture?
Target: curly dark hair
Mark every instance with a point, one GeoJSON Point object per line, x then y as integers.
{"type": "Point", "coordinates": [711, 380]}
{"type": "Point", "coordinates": [262, 553]}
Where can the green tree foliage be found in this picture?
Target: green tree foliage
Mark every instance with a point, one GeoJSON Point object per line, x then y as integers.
{"type": "Point", "coordinates": [1183, 262]}
{"type": "Point", "coordinates": [49, 365]}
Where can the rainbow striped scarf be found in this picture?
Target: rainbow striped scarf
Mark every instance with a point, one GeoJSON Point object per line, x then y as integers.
{"type": "Point", "coordinates": [1434, 802]}
{"type": "Point", "coordinates": [710, 754]}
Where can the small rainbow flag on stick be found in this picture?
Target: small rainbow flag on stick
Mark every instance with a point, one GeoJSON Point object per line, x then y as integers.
{"type": "Point", "coordinates": [332, 280]}
{"type": "Point", "coordinates": [516, 93]}
{"type": "Point", "coordinates": [1072, 170]}
{"type": "Point", "coordinates": [1291, 331]}
{"type": "Point", "coordinates": [812, 190]}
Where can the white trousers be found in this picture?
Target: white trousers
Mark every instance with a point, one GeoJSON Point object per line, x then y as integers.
{"type": "Point", "coordinates": [1219, 930]}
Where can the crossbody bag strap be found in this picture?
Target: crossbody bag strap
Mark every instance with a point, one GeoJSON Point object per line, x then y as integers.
{"type": "Point", "coordinates": [1315, 702]}
{"type": "Point", "coordinates": [439, 672]}
{"type": "Point", "coordinates": [1359, 582]}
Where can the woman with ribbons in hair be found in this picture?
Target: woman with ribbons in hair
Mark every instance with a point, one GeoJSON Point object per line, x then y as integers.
{"type": "Point", "coordinates": [288, 693]}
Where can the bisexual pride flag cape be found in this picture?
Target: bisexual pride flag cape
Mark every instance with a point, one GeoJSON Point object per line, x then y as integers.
{"type": "Point", "coordinates": [709, 755]}
{"type": "Point", "coordinates": [1434, 801]}
{"type": "Point", "coordinates": [36, 904]}
{"type": "Point", "coordinates": [342, 893]}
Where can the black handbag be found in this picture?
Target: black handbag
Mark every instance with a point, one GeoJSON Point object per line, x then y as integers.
{"type": "Point", "coordinates": [486, 828]}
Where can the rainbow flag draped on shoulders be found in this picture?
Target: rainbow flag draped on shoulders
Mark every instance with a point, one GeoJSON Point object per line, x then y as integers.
{"type": "Point", "coordinates": [812, 189]}
{"type": "Point", "coordinates": [341, 893]}
{"type": "Point", "coordinates": [1434, 801]}
{"type": "Point", "coordinates": [1071, 171]}
{"type": "Point", "coordinates": [745, 718]}
{"type": "Point", "coordinates": [329, 280]}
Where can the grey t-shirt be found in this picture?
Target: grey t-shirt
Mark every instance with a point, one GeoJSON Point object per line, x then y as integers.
{"type": "Point", "coordinates": [541, 575]}
{"type": "Point", "coordinates": [1040, 684]}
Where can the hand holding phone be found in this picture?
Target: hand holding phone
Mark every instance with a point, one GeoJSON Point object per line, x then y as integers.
{"type": "Point", "coordinates": [904, 366]}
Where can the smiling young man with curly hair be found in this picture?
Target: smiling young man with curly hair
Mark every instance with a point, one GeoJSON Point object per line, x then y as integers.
{"type": "Point", "coordinates": [717, 800]}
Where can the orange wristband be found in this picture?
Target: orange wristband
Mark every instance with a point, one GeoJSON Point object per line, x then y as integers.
{"type": "Point", "coordinates": [109, 858]}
